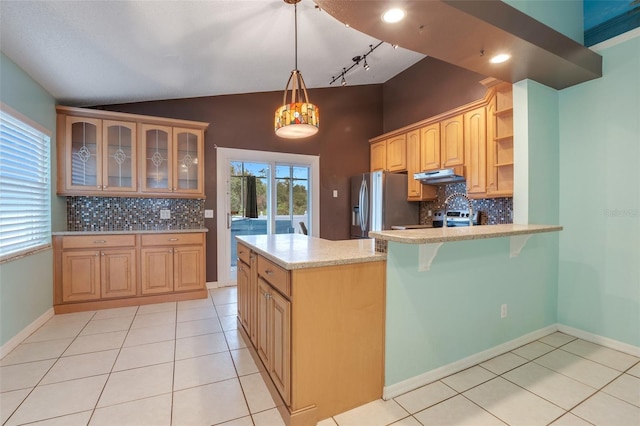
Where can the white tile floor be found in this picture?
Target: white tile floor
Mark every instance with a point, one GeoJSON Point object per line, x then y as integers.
{"type": "Point", "coordinates": [185, 364]}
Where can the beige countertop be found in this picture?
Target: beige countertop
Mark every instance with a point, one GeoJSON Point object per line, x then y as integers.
{"type": "Point", "coordinates": [132, 231]}
{"type": "Point", "coordinates": [462, 233]}
{"type": "Point", "coordinates": [296, 251]}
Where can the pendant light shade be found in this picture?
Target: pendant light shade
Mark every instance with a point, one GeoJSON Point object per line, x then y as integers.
{"type": "Point", "coordinates": [297, 118]}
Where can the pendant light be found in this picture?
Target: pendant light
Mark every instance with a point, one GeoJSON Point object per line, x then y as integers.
{"type": "Point", "coordinates": [298, 118]}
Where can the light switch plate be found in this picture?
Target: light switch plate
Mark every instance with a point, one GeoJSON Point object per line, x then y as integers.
{"type": "Point", "coordinates": [335, 193]}
{"type": "Point", "coordinates": [208, 214]}
{"type": "Point", "coordinates": [165, 214]}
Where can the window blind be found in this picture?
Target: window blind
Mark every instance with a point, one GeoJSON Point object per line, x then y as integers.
{"type": "Point", "coordinates": [25, 223]}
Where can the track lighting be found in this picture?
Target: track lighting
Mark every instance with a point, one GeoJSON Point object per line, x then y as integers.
{"type": "Point", "coordinates": [356, 61]}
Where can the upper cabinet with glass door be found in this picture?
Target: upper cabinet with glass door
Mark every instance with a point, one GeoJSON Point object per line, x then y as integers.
{"type": "Point", "coordinates": [173, 159]}
{"type": "Point", "coordinates": [115, 154]}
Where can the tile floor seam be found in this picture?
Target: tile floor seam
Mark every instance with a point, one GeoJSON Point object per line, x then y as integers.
{"type": "Point", "coordinates": [95, 406]}
{"type": "Point", "coordinates": [549, 401]}
{"type": "Point", "coordinates": [598, 362]}
{"type": "Point", "coordinates": [43, 376]}
{"type": "Point", "coordinates": [484, 409]}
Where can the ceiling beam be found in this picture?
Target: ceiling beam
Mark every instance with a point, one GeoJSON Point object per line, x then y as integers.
{"type": "Point", "coordinates": [467, 33]}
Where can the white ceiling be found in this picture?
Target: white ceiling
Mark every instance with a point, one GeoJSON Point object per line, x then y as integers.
{"type": "Point", "coordinates": [102, 52]}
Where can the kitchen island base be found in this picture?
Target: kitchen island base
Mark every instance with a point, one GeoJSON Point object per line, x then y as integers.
{"type": "Point", "coordinates": [316, 329]}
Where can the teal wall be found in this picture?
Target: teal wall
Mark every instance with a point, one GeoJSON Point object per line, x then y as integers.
{"type": "Point", "coordinates": [26, 285]}
{"type": "Point", "coordinates": [452, 311]}
{"type": "Point", "coordinates": [564, 16]}
{"type": "Point", "coordinates": [599, 281]}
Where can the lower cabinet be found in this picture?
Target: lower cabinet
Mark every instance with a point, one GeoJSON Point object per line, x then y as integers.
{"type": "Point", "coordinates": [319, 333]}
{"type": "Point", "coordinates": [274, 336]}
{"type": "Point", "coordinates": [172, 262]}
{"type": "Point", "coordinates": [93, 268]}
{"type": "Point", "coordinates": [96, 271]}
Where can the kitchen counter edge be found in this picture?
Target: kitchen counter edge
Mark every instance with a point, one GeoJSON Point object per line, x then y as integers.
{"type": "Point", "coordinates": [444, 235]}
{"type": "Point", "coordinates": [311, 252]}
{"type": "Point", "coordinates": [133, 231]}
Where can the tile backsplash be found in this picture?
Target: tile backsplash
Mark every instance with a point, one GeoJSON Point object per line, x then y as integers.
{"type": "Point", "coordinates": [495, 210]}
{"type": "Point", "coordinates": [124, 214]}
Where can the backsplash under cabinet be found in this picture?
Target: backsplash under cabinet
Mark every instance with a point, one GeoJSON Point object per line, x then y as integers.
{"type": "Point", "coordinates": [133, 213]}
{"type": "Point", "coordinates": [494, 210]}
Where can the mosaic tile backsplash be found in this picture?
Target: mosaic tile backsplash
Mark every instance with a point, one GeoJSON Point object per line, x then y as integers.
{"type": "Point", "coordinates": [127, 214]}
{"type": "Point", "coordinates": [494, 210]}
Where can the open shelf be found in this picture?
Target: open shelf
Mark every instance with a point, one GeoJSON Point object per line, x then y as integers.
{"type": "Point", "coordinates": [503, 112]}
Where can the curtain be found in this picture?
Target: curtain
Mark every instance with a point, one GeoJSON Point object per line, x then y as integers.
{"type": "Point", "coordinates": [251, 199]}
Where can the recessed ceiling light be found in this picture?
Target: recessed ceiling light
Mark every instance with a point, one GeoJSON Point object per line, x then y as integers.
{"type": "Point", "coordinates": [498, 59]}
{"type": "Point", "coordinates": [393, 15]}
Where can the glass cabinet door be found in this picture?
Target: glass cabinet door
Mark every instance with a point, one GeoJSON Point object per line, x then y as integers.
{"type": "Point", "coordinates": [119, 156]}
{"type": "Point", "coordinates": [83, 151]}
{"type": "Point", "coordinates": [156, 165]}
{"type": "Point", "coordinates": [189, 159]}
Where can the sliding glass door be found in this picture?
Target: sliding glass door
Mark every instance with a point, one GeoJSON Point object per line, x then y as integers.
{"type": "Point", "coordinates": [263, 193]}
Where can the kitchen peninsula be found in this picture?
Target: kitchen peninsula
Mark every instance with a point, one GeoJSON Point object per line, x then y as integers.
{"type": "Point", "coordinates": [456, 297]}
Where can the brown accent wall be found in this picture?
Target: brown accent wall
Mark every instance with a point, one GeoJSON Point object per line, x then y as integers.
{"type": "Point", "coordinates": [349, 117]}
{"type": "Point", "coordinates": [428, 88]}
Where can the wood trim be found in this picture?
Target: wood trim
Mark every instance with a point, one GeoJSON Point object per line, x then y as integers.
{"type": "Point", "coordinates": [122, 116]}
{"type": "Point", "coordinates": [133, 301]}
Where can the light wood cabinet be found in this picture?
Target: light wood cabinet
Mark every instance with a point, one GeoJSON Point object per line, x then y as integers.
{"type": "Point", "coordinates": [91, 269]}
{"type": "Point", "coordinates": [378, 152]}
{"type": "Point", "coordinates": [416, 190]}
{"type": "Point", "coordinates": [430, 147]}
{"type": "Point", "coordinates": [500, 143]}
{"type": "Point", "coordinates": [320, 335]}
{"type": "Point", "coordinates": [452, 141]}
{"type": "Point", "coordinates": [397, 153]}
{"type": "Point", "coordinates": [389, 155]}
{"type": "Point", "coordinates": [476, 139]}
{"type": "Point", "coordinates": [475, 147]}
{"type": "Point", "coordinates": [173, 159]}
{"type": "Point", "coordinates": [98, 155]}
{"type": "Point", "coordinates": [172, 262]}
{"type": "Point", "coordinates": [114, 270]}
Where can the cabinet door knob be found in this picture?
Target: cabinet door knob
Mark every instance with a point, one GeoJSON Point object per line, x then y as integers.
{"type": "Point", "coordinates": [170, 251]}
{"type": "Point", "coordinates": [105, 187]}
{"type": "Point", "coordinates": [99, 187]}
{"type": "Point", "coordinates": [102, 253]}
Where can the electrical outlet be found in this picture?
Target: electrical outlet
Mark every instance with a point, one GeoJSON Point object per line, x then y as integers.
{"type": "Point", "coordinates": [208, 214]}
{"type": "Point", "coordinates": [503, 310]}
{"type": "Point", "coordinates": [165, 214]}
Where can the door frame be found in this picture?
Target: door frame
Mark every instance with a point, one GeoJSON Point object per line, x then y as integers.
{"type": "Point", "coordinates": [223, 156]}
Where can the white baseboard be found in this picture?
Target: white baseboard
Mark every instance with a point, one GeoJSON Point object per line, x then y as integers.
{"type": "Point", "coordinates": [216, 284]}
{"type": "Point", "coordinates": [600, 340]}
{"type": "Point", "coordinates": [446, 370]}
{"type": "Point", "coordinates": [26, 332]}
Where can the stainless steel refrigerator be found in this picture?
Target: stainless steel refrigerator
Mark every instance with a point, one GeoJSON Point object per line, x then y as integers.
{"type": "Point", "coordinates": [379, 201]}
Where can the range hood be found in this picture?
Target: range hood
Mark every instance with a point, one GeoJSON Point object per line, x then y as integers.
{"type": "Point", "coordinates": [442, 176]}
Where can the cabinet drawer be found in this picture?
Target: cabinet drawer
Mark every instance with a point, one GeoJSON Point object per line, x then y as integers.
{"type": "Point", "coordinates": [244, 254]}
{"type": "Point", "coordinates": [98, 241]}
{"type": "Point", "coordinates": [275, 275]}
{"type": "Point", "coordinates": [172, 239]}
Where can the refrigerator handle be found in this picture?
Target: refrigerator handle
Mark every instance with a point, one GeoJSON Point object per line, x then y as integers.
{"type": "Point", "coordinates": [364, 206]}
